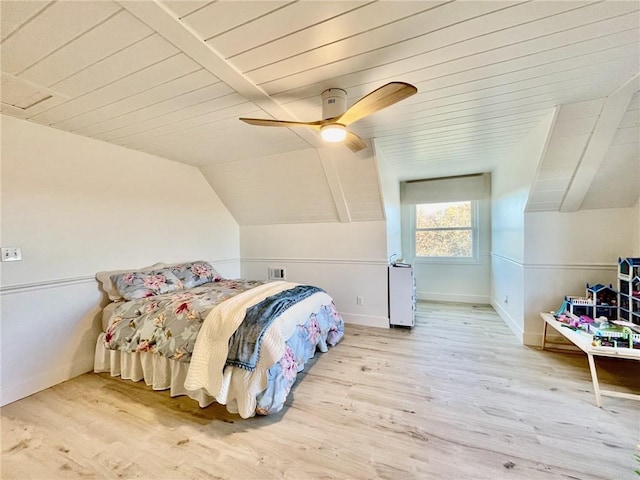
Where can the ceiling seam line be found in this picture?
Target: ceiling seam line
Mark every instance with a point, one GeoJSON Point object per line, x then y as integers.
{"type": "Point", "coordinates": [108, 56]}
{"type": "Point", "coordinates": [171, 123]}
{"type": "Point", "coordinates": [27, 21]}
{"type": "Point", "coordinates": [266, 14]}
{"type": "Point", "coordinates": [68, 42]}
{"type": "Point", "coordinates": [48, 109]}
{"type": "Point", "coordinates": [126, 97]}
{"type": "Point", "coordinates": [201, 7]}
{"type": "Point", "coordinates": [231, 57]}
{"type": "Point", "coordinates": [166, 113]}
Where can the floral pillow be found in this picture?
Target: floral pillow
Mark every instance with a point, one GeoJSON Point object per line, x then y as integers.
{"type": "Point", "coordinates": [195, 274]}
{"type": "Point", "coordinates": [105, 279]}
{"type": "Point", "coordinates": [133, 285]}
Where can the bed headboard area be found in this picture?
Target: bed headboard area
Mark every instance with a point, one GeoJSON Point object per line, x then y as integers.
{"type": "Point", "coordinates": [155, 279]}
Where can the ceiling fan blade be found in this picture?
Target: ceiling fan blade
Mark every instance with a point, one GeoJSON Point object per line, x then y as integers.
{"type": "Point", "coordinates": [380, 98]}
{"type": "Point", "coordinates": [354, 143]}
{"type": "Point", "coordinates": [264, 122]}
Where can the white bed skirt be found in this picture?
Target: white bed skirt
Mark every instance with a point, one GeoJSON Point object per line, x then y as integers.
{"type": "Point", "coordinates": [158, 372]}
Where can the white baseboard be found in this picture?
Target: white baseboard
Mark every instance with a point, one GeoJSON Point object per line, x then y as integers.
{"type": "Point", "coordinates": [365, 320]}
{"type": "Point", "coordinates": [511, 323]}
{"type": "Point", "coordinates": [45, 380]}
{"type": "Point", "coordinates": [533, 339]}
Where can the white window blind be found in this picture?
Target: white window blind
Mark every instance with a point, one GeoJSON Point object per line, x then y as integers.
{"type": "Point", "coordinates": [448, 189]}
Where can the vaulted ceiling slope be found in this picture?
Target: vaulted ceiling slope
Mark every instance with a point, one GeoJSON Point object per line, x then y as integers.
{"type": "Point", "coordinates": [172, 77]}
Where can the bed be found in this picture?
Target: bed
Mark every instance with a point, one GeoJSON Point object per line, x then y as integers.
{"type": "Point", "coordinates": [238, 342]}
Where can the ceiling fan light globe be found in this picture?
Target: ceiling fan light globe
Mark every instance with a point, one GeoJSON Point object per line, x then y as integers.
{"type": "Point", "coordinates": [333, 133]}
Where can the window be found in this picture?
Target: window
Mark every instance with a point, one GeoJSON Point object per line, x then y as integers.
{"type": "Point", "coordinates": [445, 230]}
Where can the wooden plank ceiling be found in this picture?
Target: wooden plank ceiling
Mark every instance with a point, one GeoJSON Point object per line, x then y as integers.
{"type": "Point", "coordinates": [172, 77]}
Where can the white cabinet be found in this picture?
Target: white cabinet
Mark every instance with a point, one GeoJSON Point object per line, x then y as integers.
{"type": "Point", "coordinates": [402, 295]}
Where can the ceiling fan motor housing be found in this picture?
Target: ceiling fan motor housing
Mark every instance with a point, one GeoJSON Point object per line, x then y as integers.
{"type": "Point", "coordinates": [334, 102]}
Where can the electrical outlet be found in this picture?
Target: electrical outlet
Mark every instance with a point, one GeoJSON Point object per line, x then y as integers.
{"type": "Point", "coordinates": [359, 301]}
{"type": "Point", "coordinates": [11, 254]}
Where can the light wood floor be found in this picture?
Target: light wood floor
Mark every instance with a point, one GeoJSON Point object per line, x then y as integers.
{"type": "Point", "coordinates": [456, 397]}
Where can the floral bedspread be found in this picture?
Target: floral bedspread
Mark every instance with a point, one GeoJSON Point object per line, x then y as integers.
{"type": "Point", "coordinates": [168, 324]}
{"type": "Point", "coordinates": [322, 329]}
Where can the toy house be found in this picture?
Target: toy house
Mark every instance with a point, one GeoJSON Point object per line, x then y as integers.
{"type": "Point", "coordinates": [628, 268]}
{"type": "Point", "coordinates": [635, 298]}
{"type": "Point", "coordinates": [605, 300]}
{"type": "Point", "coordinates": [599, 301]}
{"type": "Point", "coordinates": [579, 306]}
{"type": "Point", "coordinates": [629, 289]}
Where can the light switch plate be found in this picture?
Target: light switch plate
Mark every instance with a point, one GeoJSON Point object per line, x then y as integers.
{"type": "Point", "coordinates": [11, 254]}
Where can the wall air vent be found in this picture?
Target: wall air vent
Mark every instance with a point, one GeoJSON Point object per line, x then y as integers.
{"type": "Point", "coordinates": [277, 273]}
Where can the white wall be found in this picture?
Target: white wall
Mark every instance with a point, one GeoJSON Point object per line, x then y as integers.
{"type": "Point", "coordinates": [585, 237]}
{"type": "Point", "coordinates": [348, 260]}
{"type": "Point", "coordinates": [390, 187]}
{"type": "Point", "coordinates": [77, 206]}
{"type": "Point", "coordinates": [636, 233]}
{"type": "Point", "coordinates": [510, 185]}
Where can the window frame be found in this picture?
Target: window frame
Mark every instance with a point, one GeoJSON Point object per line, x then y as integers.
{"type": "Point", "coordinates": [473, 259]}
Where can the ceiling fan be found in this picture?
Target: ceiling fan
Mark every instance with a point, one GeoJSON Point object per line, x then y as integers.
{"type": "Point", "coordinates": [336, 116]}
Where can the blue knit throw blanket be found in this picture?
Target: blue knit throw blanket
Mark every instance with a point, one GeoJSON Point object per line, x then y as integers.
{"type": "Point", "coordinates": [244, 345]}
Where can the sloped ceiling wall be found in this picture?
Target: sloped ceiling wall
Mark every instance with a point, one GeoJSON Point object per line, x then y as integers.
{"type": "Point", "coordinates": [592, 158]}
{"type": "Point", "coordinates": [304, 186]}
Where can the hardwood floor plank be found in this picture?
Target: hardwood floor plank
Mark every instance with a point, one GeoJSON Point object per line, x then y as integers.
{"type": "Point", "coordinates": [456, 397]}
